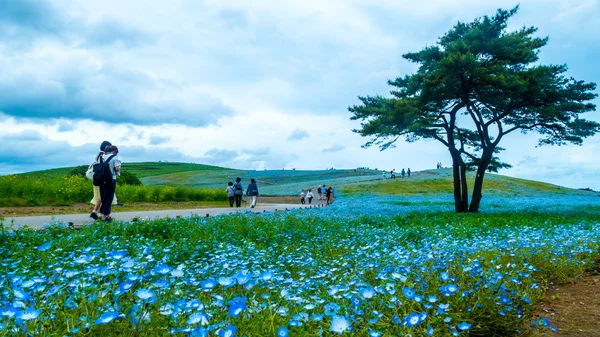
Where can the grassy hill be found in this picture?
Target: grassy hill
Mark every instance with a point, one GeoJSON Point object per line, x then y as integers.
{"type": "Point", "coordinates": [290, 182]}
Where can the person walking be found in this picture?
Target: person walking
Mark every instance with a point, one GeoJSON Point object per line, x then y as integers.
{"type": "Point", "coordinates": [393, 174]}
{"type": "Point", "coordinates": [309, 196]}
{"type": "Point", "coordinates": [320, 193]}
{"type": "Point", "coordinates": [302, 197]}
{"type": "Point", "coordinates": [238, 192]}
{"type": "Point", "coordinates": [408, 172]}
{"type": "Point", "coordinates": [384, 176]}
{"type": "Point", "coordinates": [403, 173]}
{"type": "Point", "coordinates": [108, 189]}
{"type": "Point", "coordinates": [252, 191]}
{"type": "Point", "coordinates": [97, 200]}
{"type": "Point", "coordinates": [230, 193]}
{"type": "Point", "coordinates": [329, 195]}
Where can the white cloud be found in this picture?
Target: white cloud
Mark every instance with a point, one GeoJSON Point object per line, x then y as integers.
{"type": "Point", "coordinates": [239, 79]}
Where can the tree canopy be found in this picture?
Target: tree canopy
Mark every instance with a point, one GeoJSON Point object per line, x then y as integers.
{"type": "Point", "coordinates": [476, 85]}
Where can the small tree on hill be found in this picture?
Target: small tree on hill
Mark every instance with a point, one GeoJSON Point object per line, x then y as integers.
{"type": "Point", "coordinates": [478, 84]}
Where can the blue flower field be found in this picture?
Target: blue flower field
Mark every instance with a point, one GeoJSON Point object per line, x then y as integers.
{"type": "Point", "coordinates": [365, 266]}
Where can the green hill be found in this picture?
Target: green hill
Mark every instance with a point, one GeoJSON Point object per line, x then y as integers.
{"type": "Point", "coordinates": [290, 182]}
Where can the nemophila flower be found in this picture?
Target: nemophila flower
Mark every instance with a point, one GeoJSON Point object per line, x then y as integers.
{"type": "Point", "coordinates": [339, 324]}
{"type": "Point", "coordinates": [317, 317]}
{"type": "Point", "coordinates": [396, 319]}
{"type": "Point", "coordinates": [106, 318]}
{"type": "Point", "coordinates": [432, 299]}
{"type": "Point", "coordinates": [177, 273]}
{"type": "Point", "coordinates": [367, 293]}
{"type": "Point", "coordinates": [117, 254]}
{"type": "Point", "coordinates": [226, 281]}
{"type": "Point", "coordinates": [44, 247]}
{"type": "Point", "coordinates": [544, 322]}
{"type": "Point", "coordinates": [198, 317]}
{"type": "Point", "coordinates": [373, 333]}
{"type": "Point", "coordinates": [295, 323]}
{"type": "Point", "coordinates": [9, 311]}
{"type": "Point", "coordinates": [236, 308]}
{"type": "Point", "coordinates": [146, 295]}
{"type": "Point", "coordinates": [309, 306]}
{"type": "Point", "coordinates": [553, 328]}
{"type": "Point", "coordinates": [283, 332]}
{"type": "Point", "coordinates": [355, 302]}
{"type": "Point", "coordinates": [20, 294]}
{"type": "Point", "coordinates": [199, 332]}
{"type": "Point", "coordinates": [167, 309]}
{"type": "Point", "coordinates": [208, 285]}
{"type": "Point", "coordinates": [29, 314]}
{"type": "Point", "coordinates": [333, 290]}
{"type": "Point", "coordinates": [412, 320]}
{"type": "Point", "coordinates": [430, 330]}
{"type": "Point", "coordinates": [162, 269]}
{"type": "Point", "coordinates": [229, 331]}
{"type": "Point", "coordinates": [464, 326]}
{"type": "Point", "coordinates": [266, 276]}
{"type": "Point", "coordinates": [409, 293]}
{"type": "Point", "coordinates": [444, 276]}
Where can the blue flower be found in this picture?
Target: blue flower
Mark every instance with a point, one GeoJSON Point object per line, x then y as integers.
{"type": "Point", "coordinates": [412, 320]}
{"type": "Point", "coordinates": [545, 322]}
{"type": "Point", "coordinates": [162, 269]}
{"type": "Point", "coordinates": [208, 285]}
{"type": "Point", "coordinates": [430, 330]}
{"type": "Point", "coordinates": [198, 317]}
{"type": "Point", "coordinates": [283, 332]}
{"type": "Point", "coordinates": [228, 332]}
{"type": "Point", "coordinates": [367, 293]}
{"type": "Point", "coordinates": [431, 299]}
{"type": "Point", "coordinates": [373, 333]}
{"type": "Point", "coordinates": [107, 317]}
{"type": "Point", "coordinates": [464, 326]}
{"type": "Point", "coordinates": [44, 247]}
{"type": "Point", "coordinates": [29, 314]}
{"type": "Point", "coordinates": [444, 276]}
{"type": "Point", "coordinates": [409, 293]}
{"type": "Point", "coordinates": [339, 324]}
{"type": "Point", "coordinates": [146, 295]}
{"type": "Point", "coordinates": [236, 308]}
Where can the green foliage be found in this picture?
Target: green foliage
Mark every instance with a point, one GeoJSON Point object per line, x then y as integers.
{"type": "Point", "coordinates": [58, 191]}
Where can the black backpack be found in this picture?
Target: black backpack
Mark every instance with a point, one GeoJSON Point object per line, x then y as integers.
{"type": "Point", "coordinates": [102, 173]}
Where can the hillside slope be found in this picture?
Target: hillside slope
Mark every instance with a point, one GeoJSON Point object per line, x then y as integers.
{"type": "Point", "coordinates": [350, 181]}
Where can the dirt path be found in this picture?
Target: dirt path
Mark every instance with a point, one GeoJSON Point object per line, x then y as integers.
{"type": "Point", "coordinates": [574, 308]}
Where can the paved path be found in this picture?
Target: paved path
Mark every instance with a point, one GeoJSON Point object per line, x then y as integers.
{"type": "Point", "coordinates": [37, 222]}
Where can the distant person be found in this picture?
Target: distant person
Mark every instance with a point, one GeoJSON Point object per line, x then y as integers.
{"type": "Point", "coordinates": [97, 200]}
{"type": "Point", "coordinates": [230, 193]}
{"type": "Point", "coordinates": [309, 196]}
{"type": "Point", "coordinates": [384, 176]}
{"type": "Point", "coordinates": [252, 191]}
{"type": "Point", "coordinates": [403, 173]}
{"type": "Point", "coordinates": [320, 193]}
{"type": "Point", "coordinates": [393, 174]}
{"type": "Point", "coordinates": [303, 197]}
{"type": "Point", "coordinates": [238, 192]}
{"type": "Point", "coordinates": [107, 191]}
{"type": "Point", "coordinates": [329, 195]}
{"type": "Point", "coordinates": [324, 189]}
{"type": "Point", "coordinates": [408, 172]}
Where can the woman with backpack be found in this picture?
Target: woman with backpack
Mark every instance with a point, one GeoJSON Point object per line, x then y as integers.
{"type": "Point", "coordinates": [238, 192]}
{"type": "Point", "coordinates": [230, 193]}
{"type": "Point", "coordinates": [112, 164]}
{"type": "Point", "coordinates": [252, 191]}
{"type": "Point", "coordinates": [97, 200]}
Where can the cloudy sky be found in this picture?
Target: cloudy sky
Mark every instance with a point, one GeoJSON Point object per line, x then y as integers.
{"type": "Point", "coordinates": [249, 84]}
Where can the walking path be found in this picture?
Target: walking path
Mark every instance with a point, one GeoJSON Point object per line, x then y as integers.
{"type": "Point", "coordinates": [38, 222]}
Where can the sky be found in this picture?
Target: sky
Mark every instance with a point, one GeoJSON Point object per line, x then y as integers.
{"type": "Point", "coordinates": [251, 84]}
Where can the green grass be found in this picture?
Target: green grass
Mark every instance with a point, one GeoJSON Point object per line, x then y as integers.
{"type": "Point", "coordinates": [441, 182]}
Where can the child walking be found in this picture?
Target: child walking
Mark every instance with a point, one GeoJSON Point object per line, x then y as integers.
{"type": "Point", "coordinates": [230, 193]}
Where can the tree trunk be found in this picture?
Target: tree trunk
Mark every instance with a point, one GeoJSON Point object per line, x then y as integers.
{"type": "Point", "coordinates": [486, 158]}
{"type": "Point", "coordinates": [461, 195]}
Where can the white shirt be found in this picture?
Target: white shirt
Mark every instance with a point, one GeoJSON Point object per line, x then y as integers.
{"type": "Point", "coordinates": [309, 195]}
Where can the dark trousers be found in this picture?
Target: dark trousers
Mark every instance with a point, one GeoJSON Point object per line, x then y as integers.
{"type": "Point", "coordinates": [107, 194]}
{"type": "Point", "coordinates": [238, 201]}
{"type": "Point", "coordinates": [310, 200]}
{"type": "Point", "coordinates": [302, 200]}
{"type": "Point", "coordinates": [231, 200]}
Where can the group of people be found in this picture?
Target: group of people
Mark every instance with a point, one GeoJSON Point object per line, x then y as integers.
{"type": "Point", "coordinates": [439, 165]}
{"type": "Point", "coordinates": [105, 193]}
{"type": "Point", "coordinates": [325, 194]}
{"type": "Point", "coordinates": [403, 173]}
{"type": "Point", "coordinates": [235, 191]}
